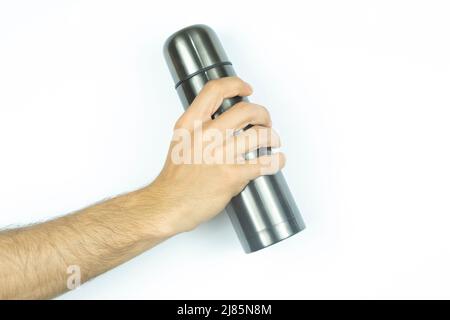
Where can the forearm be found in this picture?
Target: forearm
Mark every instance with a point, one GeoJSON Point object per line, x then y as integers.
{"type": "Point", "coordinates": [34, 260]}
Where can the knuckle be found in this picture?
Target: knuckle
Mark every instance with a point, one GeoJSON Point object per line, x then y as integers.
{"type": "Point", "coordinates": [263, 111]}
{"type": "Point", "coordinates": [212, 85]}
{"type": "Point", "coordinates": [254, 111]}
{"type": "Point", "coordinates": [234, 79]}
{"type": "Point", "coordinates": [244, 108]}
{"type": "Point", "coordinates": [180, 123]}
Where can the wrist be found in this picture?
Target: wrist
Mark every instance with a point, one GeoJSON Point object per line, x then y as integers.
{"type": "Point", "coordinates": [159, 210]}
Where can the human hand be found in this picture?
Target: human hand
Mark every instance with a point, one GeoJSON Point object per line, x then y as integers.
{"type": "Point", "coordinates": [206, 164]}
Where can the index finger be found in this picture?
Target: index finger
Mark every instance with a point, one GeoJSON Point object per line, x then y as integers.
{"type": "Point", "coordinates": [212, 95]}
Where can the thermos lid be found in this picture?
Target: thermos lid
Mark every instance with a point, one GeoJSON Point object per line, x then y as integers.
{"type": "Point", "coordinates": [193, 50]}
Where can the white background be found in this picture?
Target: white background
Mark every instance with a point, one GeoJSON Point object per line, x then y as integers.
{"type": "Point", "coordinates": [358, 90]}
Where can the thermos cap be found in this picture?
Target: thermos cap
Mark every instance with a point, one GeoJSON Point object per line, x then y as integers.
{"type": "Point", "coordinates": [193, 50]}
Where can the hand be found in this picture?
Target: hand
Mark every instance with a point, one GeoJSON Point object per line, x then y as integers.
{"type": "Point", "coordinates": [206, 163]}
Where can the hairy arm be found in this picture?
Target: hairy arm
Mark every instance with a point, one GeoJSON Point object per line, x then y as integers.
{"type": "Point", "coordinates": [37, 261]}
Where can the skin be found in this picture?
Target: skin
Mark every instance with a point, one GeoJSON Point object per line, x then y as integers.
{"type": "Point", "coordinates": [34, 260]}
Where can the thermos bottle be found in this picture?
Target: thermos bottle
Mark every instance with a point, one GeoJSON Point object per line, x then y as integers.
{"type": "Point", "coordinates": [265, 212]}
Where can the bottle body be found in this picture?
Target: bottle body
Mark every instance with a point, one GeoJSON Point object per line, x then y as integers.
{"type": "Point", "coordinates": [265, 212]}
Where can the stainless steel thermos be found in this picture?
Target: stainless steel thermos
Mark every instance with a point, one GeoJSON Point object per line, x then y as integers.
{"type": "Point", "coordinates": [265, 212]}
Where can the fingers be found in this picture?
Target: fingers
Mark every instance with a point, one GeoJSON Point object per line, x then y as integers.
{"type": "Point", "coordinates": [254, 138]}
{"type": "Point", "coordinates": [264, 165]}
{"type": "Point", "coordinates": [241, 115]}
{"type": "Point", "coordinates": [212, 95]}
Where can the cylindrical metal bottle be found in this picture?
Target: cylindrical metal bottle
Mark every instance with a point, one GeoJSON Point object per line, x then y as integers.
{"type": "Point", "coordinates": [265, 212]}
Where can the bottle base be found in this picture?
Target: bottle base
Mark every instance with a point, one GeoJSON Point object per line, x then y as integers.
{"type": "Point", "coordinates": [272, 235]}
